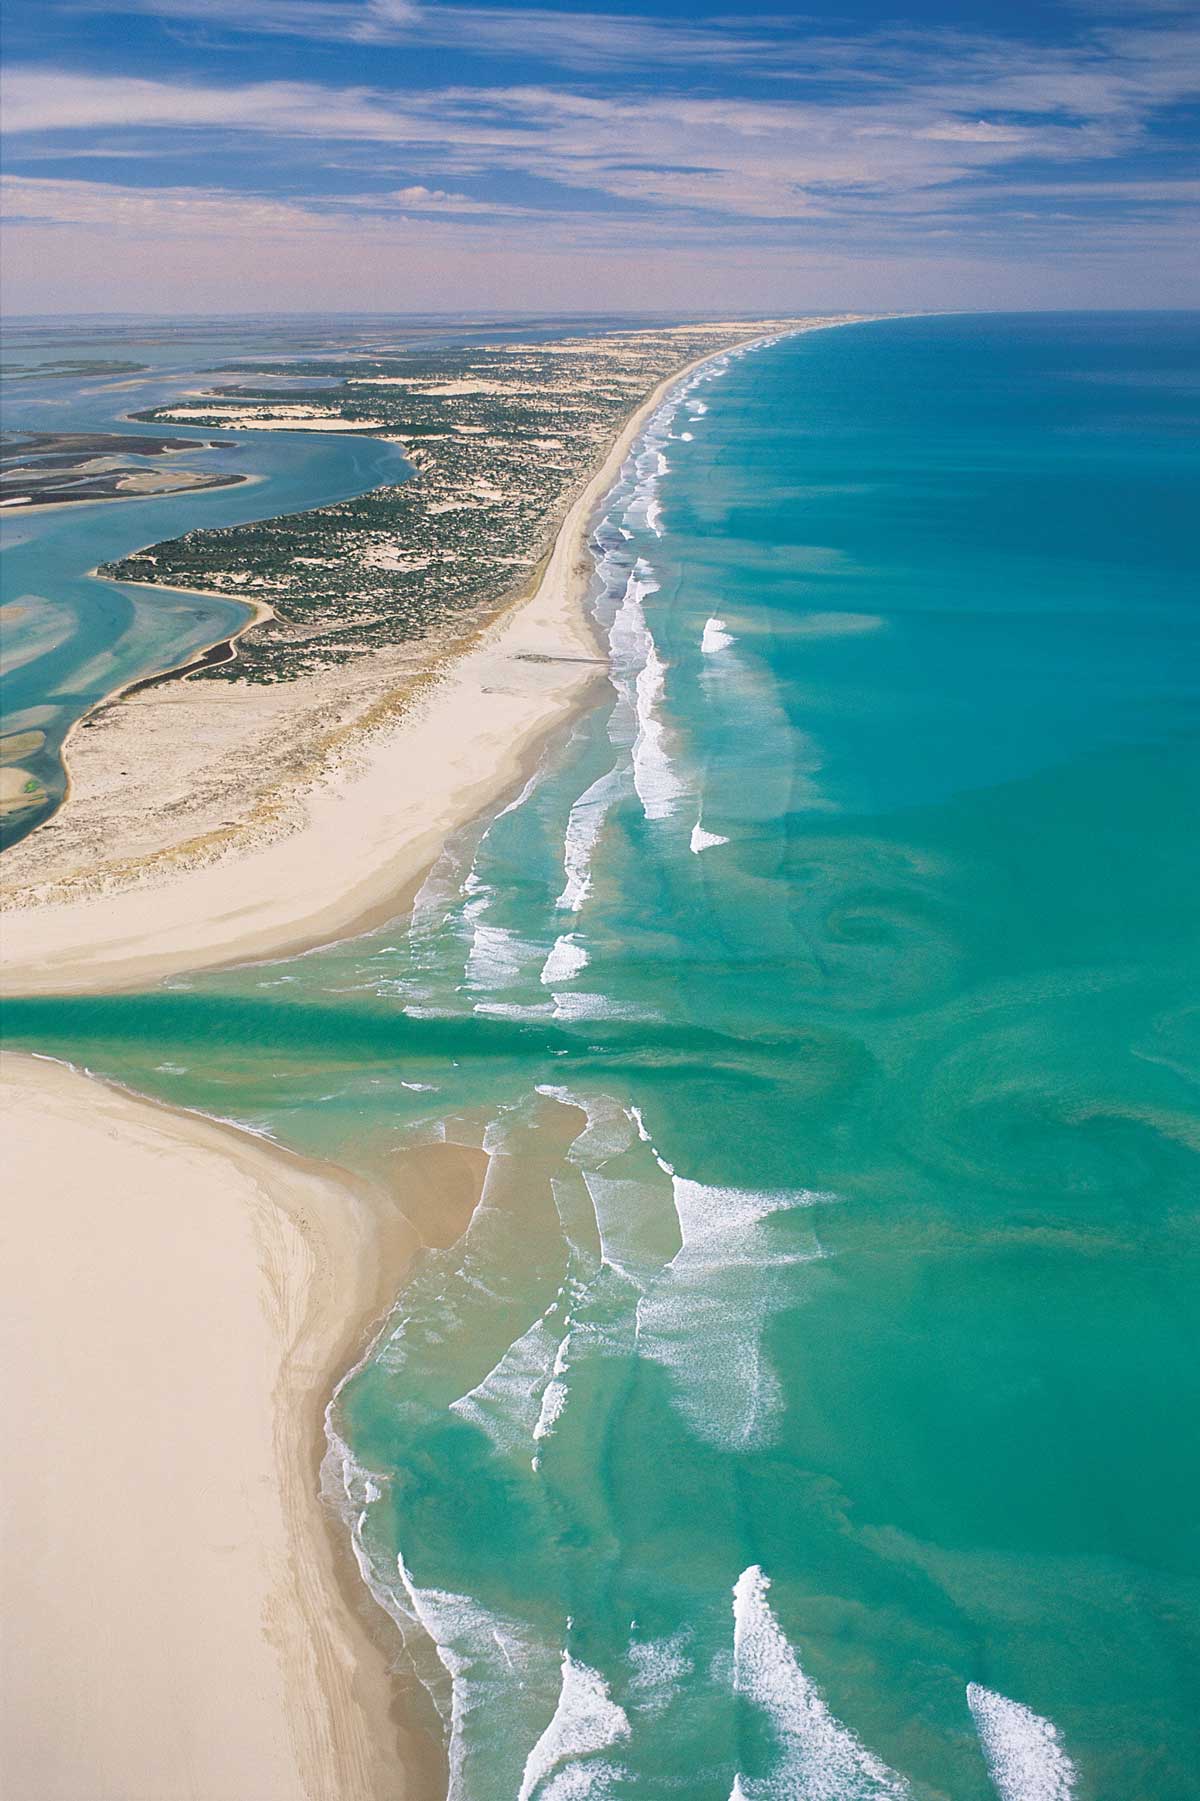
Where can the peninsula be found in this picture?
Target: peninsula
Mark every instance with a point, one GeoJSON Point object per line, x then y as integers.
{"type": "Point", "coordinates": [405, 654]}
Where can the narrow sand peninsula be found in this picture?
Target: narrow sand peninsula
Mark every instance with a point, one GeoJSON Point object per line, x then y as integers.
{"type": "Point", "coordinates": [178, 1302]}
{"type": "Point", "coordinates": [366, 830]}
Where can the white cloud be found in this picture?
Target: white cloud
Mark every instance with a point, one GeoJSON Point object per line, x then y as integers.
{"type": "Point", "coordinates": [977, 131]}
{"type": "Point", "coordinates": [219, 213]}
{"type": "Point", "coordinates": [861, 148]}
{"type": "Point", "coordinates": [740, 157]}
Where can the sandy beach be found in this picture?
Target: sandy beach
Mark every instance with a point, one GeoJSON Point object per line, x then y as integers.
{"type": "Point", "coordinates": [357, 836]}
{"type": "Point", "coordinates": [179, 1300]}
{"type": "Point", "coordinates": [182, 1308]}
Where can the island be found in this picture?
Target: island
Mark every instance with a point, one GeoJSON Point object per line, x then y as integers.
{"type": "Point", "coordinates": [47, 469]}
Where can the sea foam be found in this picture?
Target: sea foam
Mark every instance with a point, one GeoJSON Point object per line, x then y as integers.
{"type": "Point", "coordinates": [584, 826]}
{"type": "Point", "coordinates": [715, 637]}
{"type": "Point", "coordinates": [565, 960]}
{"type": "Point", "coordinates": [496, 957]}
{"type": "Point", "coordinates": [586, 1721]}
{"type": "Point", "coordinates": [704, 1315]}
{"type": "Point", "coordinates": [509, 1403]}
{"type": "Point", "coordinates": [658, 786]}
{"type": "Point", "coordinates": [630, 1231]}
{"type": "Point", "coordinates": [704, 1268]}
{"type": "Point", "coordinates": [639, 675]}
{"type": "Point", "coordinates": [817, 1757]}
{"type": "Point", "coordinates": [487, 1658]}
{"type": "Point", "coordinates": [609, 1129]}
{"type": "Point", "coordinates": [643, 1132]}
{"type": "Point", "coordinates": [660, 1667]}
{"type": "Point", "coordinates": [702, 840]}
{"type": "Point", "coordinates": [1024, 1753]}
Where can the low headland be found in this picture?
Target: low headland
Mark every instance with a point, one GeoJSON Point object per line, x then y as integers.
{"type": "Point", "coordinates": [297, 791]}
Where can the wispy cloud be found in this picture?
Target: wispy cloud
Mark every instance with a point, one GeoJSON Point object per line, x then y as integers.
{"type": "Point", "coordinates": [346, 21]}
{"type": "Point", "coordinates": [761, 158]}
{"type": "Point", "coordinates": [199, 211]}
{"type": "Point", "coordinates": [572, 40]}
{"type": "Point", "coordinates": [772, 137]}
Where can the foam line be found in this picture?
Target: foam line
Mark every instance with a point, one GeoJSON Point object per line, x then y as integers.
{"type": "Point", "coordinates": [658, 786]}
{"type": "Point", "coordinates": [1025, 1756]}
{"type": "Point", "coordinates": [639, 676]}
{"type": "Point", "coordinates": [635, 1114]}
{"type": "Point", "coordinates": [702, 840]}
{"type": "Point", "coordinates": [586, 1721]}
{"type": "Point", "coordinates": [715, 638]}
{"type": "Point", "coordinates": [584, 826]}
{"type": "Point", "coordinates": [509, 1402]}
{"type": "Point", "coordinates": [817, 1757]}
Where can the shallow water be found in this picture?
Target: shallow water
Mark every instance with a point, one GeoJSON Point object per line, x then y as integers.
{"type": "Point", "coordinates": [809, 1407]}
{"type": "Point", "coordinates": [71, 638]}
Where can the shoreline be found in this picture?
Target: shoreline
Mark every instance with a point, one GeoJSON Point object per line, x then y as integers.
{"type": "Point", "coordinates": [238, 1648]}
{"type": "Point", "coordinates": [470, 726]}
{"type": "Point", "coordinates": [260, 611]}
{"type": "Point", "coordinates": [530, 670]}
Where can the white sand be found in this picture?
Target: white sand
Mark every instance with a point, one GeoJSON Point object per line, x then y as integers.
{"type": "Point", "coordinates": [176, 1299]}
{"type": "Point", "coordinates": [180, 1299]}
{"type": "Point", "coordinates": [371, 828]}
{"type": "Point", "coordinates": [273, 418]}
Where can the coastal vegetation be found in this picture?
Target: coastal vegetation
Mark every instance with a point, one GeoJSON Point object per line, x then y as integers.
{"type": "Point", "coordinates": [498, 439]}
{"type": "Point", "coordinates": [69, 368]}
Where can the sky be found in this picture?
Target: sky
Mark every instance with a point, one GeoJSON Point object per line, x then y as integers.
{"type": "Point", "coordinates": [199, 156]}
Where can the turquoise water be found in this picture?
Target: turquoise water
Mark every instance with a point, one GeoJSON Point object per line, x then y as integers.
{"type": "Point", "coordinates": [72, 638]}
{"type": "Point", "coordinates": [809, 1409]}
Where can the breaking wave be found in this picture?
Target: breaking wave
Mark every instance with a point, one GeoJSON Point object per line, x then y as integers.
{"type": "Point", "coordinates": [702, 840]}
{"type": "Point", "coordinates": [816, 1756]}
{"type": "Point", "coordinates": [586, 1722]}
{"type": "Point", "coordinates": [715, 638]}
{"type": "Point", "coordinates": [565, 960]}
{"type": "Point", "coordinates": [1024, 1753]}
{"type": "Point", "coordinates": [486, 1657]}
{"type": "Point", "coordinates": [584, 826]}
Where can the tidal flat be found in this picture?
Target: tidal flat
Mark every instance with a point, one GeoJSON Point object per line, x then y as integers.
{"type": "Point", "coordinates": [50, 469]}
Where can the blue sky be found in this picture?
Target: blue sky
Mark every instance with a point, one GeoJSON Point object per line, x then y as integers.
{"type": "Point", "coordinates": [240, 155]}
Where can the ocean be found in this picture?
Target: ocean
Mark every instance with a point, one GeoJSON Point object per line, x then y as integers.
{"type": "Point", "coordinates": [808, 1408]}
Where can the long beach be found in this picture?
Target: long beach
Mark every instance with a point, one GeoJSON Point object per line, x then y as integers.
{"type": "Point", "coordinates": [244, 1280]}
